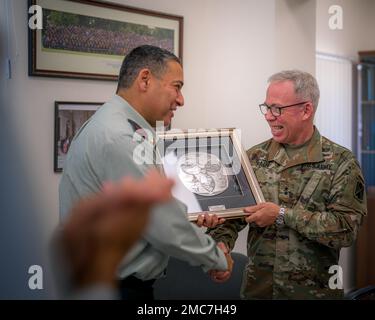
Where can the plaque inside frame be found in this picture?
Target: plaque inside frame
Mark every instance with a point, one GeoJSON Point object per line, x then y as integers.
{"type": "Point", "coordinates": [211, 170]}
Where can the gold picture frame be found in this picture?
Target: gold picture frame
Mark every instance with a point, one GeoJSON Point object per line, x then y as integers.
{"type": "Point", "coordinates": [211, 170]}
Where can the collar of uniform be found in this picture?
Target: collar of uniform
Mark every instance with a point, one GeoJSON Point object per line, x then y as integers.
{"type": "Point", "coordinates": [136, 120]}
{"type": "Point", "coordinates": [313, 152]}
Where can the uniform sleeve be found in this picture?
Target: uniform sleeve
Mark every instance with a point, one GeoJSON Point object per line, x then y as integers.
{"type": "Point", "coordinates": [338, 225]}
{"type": "Point", "coordinates": [228, 232]}
{"type": "Point", "coordinates": [169, 230]}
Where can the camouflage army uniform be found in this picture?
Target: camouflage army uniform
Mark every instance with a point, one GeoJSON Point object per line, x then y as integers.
{"type": "Point", "coordinates": [322, 189]}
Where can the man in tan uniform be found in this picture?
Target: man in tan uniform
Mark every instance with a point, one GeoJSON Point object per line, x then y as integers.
{"type": "Point", "coordinates": [315, 197]}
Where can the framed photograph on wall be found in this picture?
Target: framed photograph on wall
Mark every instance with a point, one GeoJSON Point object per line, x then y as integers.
{"type": "Point", "coordinates": [211, 171]}
{"type": "Point", "coordinates": [88, 39]}
{"type": "Point", "coordinates": [69, 117]}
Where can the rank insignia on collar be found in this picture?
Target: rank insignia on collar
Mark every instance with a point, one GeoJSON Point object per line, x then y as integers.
{"type": "Point", "coordinates": [139, 130]}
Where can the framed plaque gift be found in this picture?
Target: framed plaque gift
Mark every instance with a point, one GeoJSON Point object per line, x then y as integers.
{"type": "Point", "coordinates": [211, 171]}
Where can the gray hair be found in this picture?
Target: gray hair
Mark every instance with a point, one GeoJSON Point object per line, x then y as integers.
{"type": "Point", "coordinates": [305, 85]}
{"type": "Point", "coordinates": [146, 56]}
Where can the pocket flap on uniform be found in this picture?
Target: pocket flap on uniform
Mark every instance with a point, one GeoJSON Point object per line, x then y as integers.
{"type": "Point", "coordinates": [309, 189]}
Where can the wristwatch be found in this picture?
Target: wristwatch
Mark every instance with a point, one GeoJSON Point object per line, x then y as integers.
{"type": "Point", "coordinates": [280, 218]}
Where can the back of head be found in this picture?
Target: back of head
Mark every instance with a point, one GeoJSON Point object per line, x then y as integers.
{"type": "Point", "coordinates": [305, 85]}
{"type": "Point", "coordinates": [153, 58]}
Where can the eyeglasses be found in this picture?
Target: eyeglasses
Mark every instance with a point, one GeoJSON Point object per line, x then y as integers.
{"type": "Point", "coordinates": [275, 109]}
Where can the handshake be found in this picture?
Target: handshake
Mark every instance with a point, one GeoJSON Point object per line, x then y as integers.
{"type": "Point", "coordinates": [211, 221]}
{"type": "Point", "coordinates": [222, 276]}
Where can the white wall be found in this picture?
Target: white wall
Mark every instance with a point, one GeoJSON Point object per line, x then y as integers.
{"type": "Point", "coordinates": [358, 28]}
{"type": "Point", "coordinates": [295, 35]}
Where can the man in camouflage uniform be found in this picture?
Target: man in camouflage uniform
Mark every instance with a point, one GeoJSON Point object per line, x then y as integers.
{"type": "Point", "coordinates": [315, 197]}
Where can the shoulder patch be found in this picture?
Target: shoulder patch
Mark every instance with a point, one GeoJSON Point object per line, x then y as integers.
{"type": "Point", "coordinates": [359, 190]}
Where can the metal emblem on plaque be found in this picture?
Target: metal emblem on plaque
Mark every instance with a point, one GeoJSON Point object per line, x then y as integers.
{"type": "Point", "coordinates": [202, 173]}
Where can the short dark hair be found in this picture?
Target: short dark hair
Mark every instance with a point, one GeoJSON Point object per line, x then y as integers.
{"type": "Point", "coordinates": [146, 56]}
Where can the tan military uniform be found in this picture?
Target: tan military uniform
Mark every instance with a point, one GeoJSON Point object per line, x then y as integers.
{"type": "Point", "coordinates": [322, 188]}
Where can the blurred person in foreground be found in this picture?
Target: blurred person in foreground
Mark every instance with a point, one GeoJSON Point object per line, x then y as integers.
{"type": "Point", "coordinates": [101, 229]}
